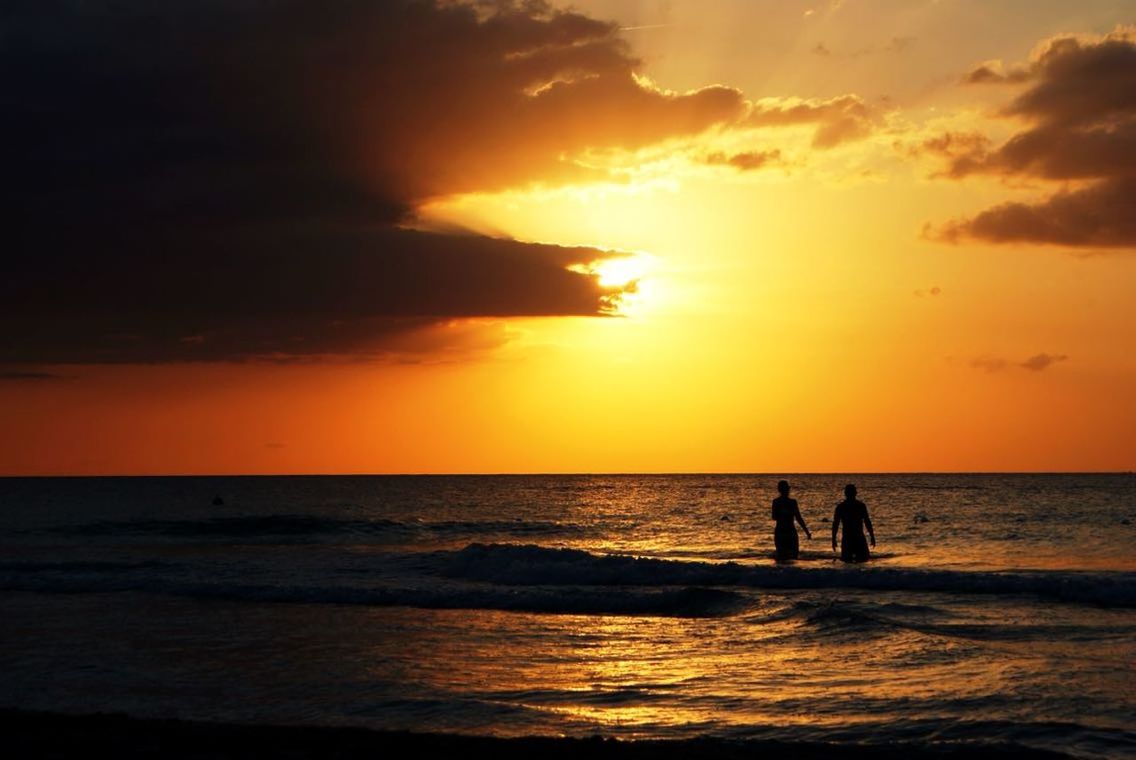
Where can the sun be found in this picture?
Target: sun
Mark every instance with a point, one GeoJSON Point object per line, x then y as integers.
{"type": "Point", "coordinates": [621, 271]}
{"type": "Point", "coordinates": [626, 275]}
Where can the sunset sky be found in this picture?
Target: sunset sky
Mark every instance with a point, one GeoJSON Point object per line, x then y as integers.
{"type": "Point", "coordinates": [616, 236]}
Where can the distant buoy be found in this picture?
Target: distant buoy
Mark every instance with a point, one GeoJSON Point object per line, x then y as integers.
{"type": "Point", "coordinates": [726, 517]}
{"type": "Point", "coordinates": [921, 518]}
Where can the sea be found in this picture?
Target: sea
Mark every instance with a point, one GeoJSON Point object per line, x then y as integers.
{"type": "Point", "coordinates": [996, 609]}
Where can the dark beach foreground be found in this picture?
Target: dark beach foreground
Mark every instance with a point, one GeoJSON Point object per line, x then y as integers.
{"type": "Point", "coordinates": [51, 735]}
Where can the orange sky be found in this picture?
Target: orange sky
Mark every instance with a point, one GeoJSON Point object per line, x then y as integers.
{"type": "Point", "coordinates": [826, 280]}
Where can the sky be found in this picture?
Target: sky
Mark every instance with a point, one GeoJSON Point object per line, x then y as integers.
{"type": "Point", "coordinates": [612, 236]}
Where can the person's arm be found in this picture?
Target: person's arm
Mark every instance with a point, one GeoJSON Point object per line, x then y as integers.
{"type": "Point", "coordinates": [868, 523]}
{"type": "Point", "coordinates": [801, 520]}
{"type": "Point", "coordinates": [835, 525]}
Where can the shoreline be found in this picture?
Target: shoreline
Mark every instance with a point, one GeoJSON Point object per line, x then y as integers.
{"type": "Point", "coordinates": [56, 735]}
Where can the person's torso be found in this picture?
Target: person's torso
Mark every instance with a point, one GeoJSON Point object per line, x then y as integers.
{"type": "Point", "coordinates": [784, 509]}
{"type": "Point", "coordinates": [852, 514]}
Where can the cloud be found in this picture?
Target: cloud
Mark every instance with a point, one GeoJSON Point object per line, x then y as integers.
{"type": "Point", "coordinates": [838, 120]}
{"type": "Point", "coordinates": [1100, 216]}
{"type": "Point", "coordinates": [283, 293]}
{"type": "Point", "coordinates": [1042, 361]}
{"type": "Point", "coordinates": [217, 180]}
{"type": "Point", "coordinates": [26, 376]}
{"type": "Point", "coordinates": [747, 161]}
{"type": "Point", "coordinates": [959, 149]}
{"type": "Point", "coordinates": [1037, 363]}
{"type": "Point", "coordinates": [221, 180]}
{"type": "Point", "coordinates": [1080, 105]}
{"type": "Point", "coordinates": [995, 72]}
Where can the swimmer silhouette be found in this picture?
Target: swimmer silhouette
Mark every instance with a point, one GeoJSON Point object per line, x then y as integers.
{"type": "Point", "coordinates": [785, 511]}
{"type": "Point", "coordinates": [854, 514]}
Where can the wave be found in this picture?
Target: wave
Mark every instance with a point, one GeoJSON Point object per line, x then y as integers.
{"type": "Point", "coordinates": [524, 565]}
{"type": "Point", "coordinates": [843, 616]}
{"type": "Point", "coordinates": [81, 566]}
{"type": "Point", "coordinates": [86, 578]}
{"type": "Point", "coordinates": [806, 555]}
{"type": "Point", "coordinates": [570, 581]}
{"type": "Point", "coordinates": [300, 527]}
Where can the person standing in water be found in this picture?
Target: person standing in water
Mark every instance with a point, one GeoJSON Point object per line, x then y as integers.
{"type": "Point", "coordinates": [785, 511]}
{"type": "Point", "coordinates": [854, 514]}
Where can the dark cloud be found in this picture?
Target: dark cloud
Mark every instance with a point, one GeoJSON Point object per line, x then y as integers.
{"type": "Point", "coordinates": [220, 179]}
{"type": "Point", "coordinates": [960, 149]}
{"type": "Point", "coordinates": [1052, 151]}
{"type": "Point", "coordinates": [1081, 105]}
{"type": "Point", "coordinates": [1100, 216]}
{"type": "Point", "coordinates": [281, 293]}
{"type": "Point", "coordinates": [1082, 80]}
{"type": "Point", "coordinates": [27, 376]}
{"type": "Point", "coordinates": [747, 161]}
{"type": "Point", "coordinates": [995, 72]}
{"type": "Point", "coordinates": [1042, 361]}
{"type": "Point", "coordinates": [838, 120]}
{"type": "Point", "coordinates": [1035, 363]}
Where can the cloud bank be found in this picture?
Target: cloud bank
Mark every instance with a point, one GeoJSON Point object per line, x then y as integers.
{"type": "Point", "coordinates": [1080, 104]}
{"type": "Point", "coordinates": [223, 180]}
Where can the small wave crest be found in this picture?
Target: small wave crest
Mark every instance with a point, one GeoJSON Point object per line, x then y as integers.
{"type": "Point", "coordinates": [521, 565]}
{"type": "Point", "coordinates": [670, 602]}
{"type": "Point", "coordinates": [300, 528]}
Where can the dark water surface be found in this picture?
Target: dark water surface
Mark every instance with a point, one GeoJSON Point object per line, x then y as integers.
{"type": "Point", "coordinates": [998, 608]}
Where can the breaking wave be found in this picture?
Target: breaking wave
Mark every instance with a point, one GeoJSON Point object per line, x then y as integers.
{"type": "Point", "coordinates": [522, 565]}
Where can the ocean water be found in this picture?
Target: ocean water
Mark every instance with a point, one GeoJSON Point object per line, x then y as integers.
{"type": "Point", "coordinates": [997, 608]}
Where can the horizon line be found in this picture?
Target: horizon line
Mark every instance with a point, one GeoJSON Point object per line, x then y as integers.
{"type": "Point", "coordinates": [502, 474]}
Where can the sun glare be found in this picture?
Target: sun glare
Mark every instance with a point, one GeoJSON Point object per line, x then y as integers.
{"type": "Point", "coordinates": [622, 271]}
{"type": "Point", "coordinates": [627, 274]}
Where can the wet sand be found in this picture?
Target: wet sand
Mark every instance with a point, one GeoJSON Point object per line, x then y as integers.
{"type": "Point", "coordinates": [50, 735]}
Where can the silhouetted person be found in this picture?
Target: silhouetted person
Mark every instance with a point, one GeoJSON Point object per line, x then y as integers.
{"type": "Point", "coordinates": [854, 514]}
{"type": "Point", "coordinates": [785, 511]}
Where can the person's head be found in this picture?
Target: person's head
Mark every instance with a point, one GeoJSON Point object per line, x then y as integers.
{"type": "Point", "coordinates": [783, 487]}
{"type": "Point", "coordinates": [850, 491]}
